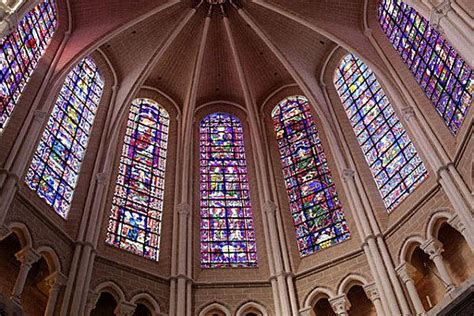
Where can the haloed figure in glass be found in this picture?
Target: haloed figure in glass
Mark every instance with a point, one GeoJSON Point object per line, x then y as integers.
{"type": "Point", "coordinates": [227, 231]}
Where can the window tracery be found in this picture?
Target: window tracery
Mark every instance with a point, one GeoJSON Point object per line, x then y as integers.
{"type": "Point", "coordinates": [137, 207]}
{"type": "Point", "coordinates": [314, 203]}
{"type": "Point", "coordinates": [447, 80]}
{"type": "Point", "coordinates": [20, 53]}
{"type": "Point", "coordinates": [392, 158]}
{"type": "Point", "coordinates": [227, 228]}
{"type": "Point", "coordinates": [57, 161]}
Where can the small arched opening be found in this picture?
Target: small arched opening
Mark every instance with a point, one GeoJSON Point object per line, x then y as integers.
{"type": "Point", "coordinates": [36, 291]}
{"type": "Point", "coordinates": [142, 310]}
{"type": "Point", "coordinates": [105, 306]}
{"type": "Point", "coordinates": [457, 254]}
{"type": "Point", "coordinates": [322, 307]}
{"type": "Point", "coordinates": [9, 265]}
{"type": "Point", "coordinates": [425, 276]}
{"type": "Point", "coordinates": [359, 302]}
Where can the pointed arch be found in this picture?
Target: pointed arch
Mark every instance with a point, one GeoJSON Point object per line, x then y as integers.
{"type": "Point", "coordinates": [251, 306]}
{"type": "Point", "coordinates": [137, 207]}
{"type": "Point", "coordinates": [446, 79]}
{"type": "Point", "coordinates": [396, 167]}
{"type": "Point", "coordinates": [227, 228]}
{"type": "Point", "coordinates": [314, 203]}
{"type": "Point", "coordinates": [316, 294]}
{"type": "Point", "coordinates": [20, 53]}
{"type": "Point", "coordinates": [215, 306]}
{"type": "Point", "coordinates": [349, 281]}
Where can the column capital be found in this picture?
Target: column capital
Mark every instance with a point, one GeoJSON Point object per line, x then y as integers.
{"type": "Point", "coordinates": [348, 174]}
{"type": "Point", "coordinates": [403, 272]}
{"type": "Point", "coordinates": [432, 247]}
{"type": "Point", "coordinates": [372, 292]}
{"type": "Point", "coordinates": [269, 207]}
{"type": "Point", "coordinates": [125, 309]}
{"type": "Point", "coordinates": [27, 256]}
{"type": "Point", "coordinates": [438, 12]}
{"type": "Point", "coordinates": [56, 280]}
{"type": "Point", "coordinates": [183, 209]}
{"type": "Point", "coordinates": [92, 300]}
{"type": "Point", "coordinates": [454, 221]}
{"type": "Point", "coordinates": [340, 304]}
{"type": "Point", "coordinates": [307, 311]}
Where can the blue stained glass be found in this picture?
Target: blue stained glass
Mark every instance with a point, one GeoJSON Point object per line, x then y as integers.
{"type": "Point", "coordinates": [227, 230]}
{"type": "Point", "coordinates": [20, 53]}
{"type": "Point", "coordinates": [57, 161]}
{"type": "Point", "coordinates": [448, 81]}
{"type": "Point", "coordinates": [392, 158]}
{"type": "Point", "coordinates": [314, 203]}
{"type": "Point", "coordinates": [135, 220]}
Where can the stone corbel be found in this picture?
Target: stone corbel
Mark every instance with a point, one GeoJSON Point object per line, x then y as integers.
{"type": "Point", "coordinates": [125, 309]}
{"type": "Point", "coordinates": [340, 305]}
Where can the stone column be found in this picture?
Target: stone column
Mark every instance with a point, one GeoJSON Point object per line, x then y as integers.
{"type": "Point", "coordinates": [340, 305]}
{"type": "Point", "coordinates": [55, 281]}
{"type": "Point", "coordinates": [434, 248]}
{"type": "Point", "coordinates": [373, 295]}
{"type": "Point", "coordinates": [404, 274]}
{"type": "Point", "coordinates": [125, 309]}
{"type": "Point", "coordinates": [183, 213]}
{"type": "Point", "coordinates": [27, 256]}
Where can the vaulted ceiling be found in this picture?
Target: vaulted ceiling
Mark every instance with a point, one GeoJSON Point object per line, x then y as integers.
{"type": "Point", "coordinates": [157, 43]}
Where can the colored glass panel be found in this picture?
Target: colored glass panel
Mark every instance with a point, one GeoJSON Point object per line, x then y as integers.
{"type": "Point", "coordinates": [314, 203]}
{"type": "Point", "coordinates": [392, 158]}
{"type": "Point", "coordinates": [447, 80]}
{"type": "Point", "coordinates": [227, 230]}
{"type": "Point", "coordinates": [137, 207]}
{"type": "Point", "coordinates": [57, 161]}
{"type": "Point", "coordinates": [20, 53]}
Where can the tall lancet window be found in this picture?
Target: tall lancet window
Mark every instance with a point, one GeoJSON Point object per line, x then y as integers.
{"type": "Point", "coordinates": [446, 78]}
{"type": "Point", "coordinates": [395, 165]}
{"type": "Point", "coordinates": [227, 230]}
{"type": "Point", "coordinates": [314, 203]}
{"type": "Point", "coordinates": [137, 207]}
{"type": "Point", "coordinates": [20, 53]}
{"type": "Point", "coordinates": [57, 161]}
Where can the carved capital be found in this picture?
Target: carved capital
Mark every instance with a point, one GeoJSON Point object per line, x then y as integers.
{"type": "Point", "coordinates": [454, 221]}
{"type": "Point", "coordinates": [372, 292]}
{"type": "Point", "coordinates": [27, 256]}
{"type": "Point", "coordinates": [340, 304]}
{"type": "Point", "coordinates": [403, 272]}
{"type": "Point", "coordinates": [92, 300]}
{"type": "Point", "coordinates": [270, 207]}
{"type": "Point", "coordinates": [438, 13]}
{"type": "Point", "coordinates": [308, 311]}
{"type": "Point", "coordinates": [348, 174]}
{"type": "Point", "coordinates": [125, 309]}
{"type": "Point", "coordinates": [432, 247]}
{"type": "Point", "coordinates": [183, 209]}
{"type": "Point", "coordinates": [56, 280]}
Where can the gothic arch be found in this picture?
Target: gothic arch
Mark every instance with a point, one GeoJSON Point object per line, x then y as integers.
{"type": "Point", "coordinates": [113, 289]}
{"type": "Point", "coordinates": [408, 246]}
{"type": "Point", "coordinates": [316, 293]}
{"type": "Point", "coordinates": [251, 305]}
{"type": "Point", "coordinates": [22, 232]}
{"type": "Point", "coordinates": [219, 306]}
{"type": "Point", "coordinates": [148, 301]}
{"type": "Point", "coordinates": [350, 280]}
{"type": "Point", "coordinates": [51, 258]}
{"type": "Point", "coordinates": [438, 218]}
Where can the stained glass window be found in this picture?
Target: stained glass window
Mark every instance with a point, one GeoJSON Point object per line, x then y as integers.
{"type": "Point", "coordinates": [135, 220]}
{"type": "Point", "coordinates": [227, 230]}
{"type": "Point", "coordinates": [446, 78]}
{"type": "Point", "coordinates": [395, 165]}
{"type": "Point", "coordinates": [314, 203]}
{"type": "Point", "coordinates": [57, 161]}
{"type": "Point", "coordinates": [21, 51]}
